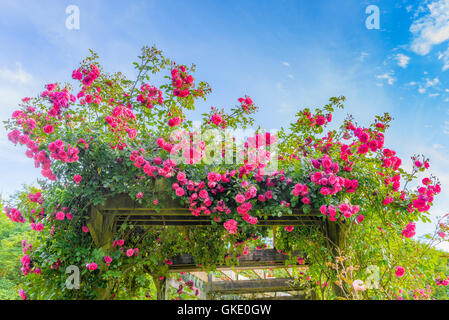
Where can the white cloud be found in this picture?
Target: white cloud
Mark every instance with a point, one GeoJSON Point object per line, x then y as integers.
{"type": "Point", "coordinates": [285, 63]}
{"type": "Point", "coordinates": [427, 83]}
{"type": "Point", "coordinates": [291, 76]}
{"type": "Point", "coordinates": [363, 55]}
{"type": "Point", "coordinates": [18, 75]}
{"type": "Point", "coordinates": [432, 83]}
{"type": "Point", "coordinates": [445, 57]}
{"type": "Point", "coordinates": [402, 60]}
{"type": "Point", "coordinates": [387, 76]}
{"type": "Point", "coordinates": [431, 29]}
{"type": "Point", "coordinates": [446, 127]}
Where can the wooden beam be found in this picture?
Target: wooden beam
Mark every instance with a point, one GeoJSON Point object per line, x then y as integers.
{"type": "Point", "coordinates": [255, 259]}
{"type": "Point", "coordinates": [257, 273]}
{"type": "Point", "coordinates": [297, 296]}
{"type": "Point", "coordinates": [229, 274]}
{"type": "Point", "coordinates": [200, 275]}
{"type": "Point", "coordinates": [124, 209]}
{"type": "Point", "coordinates": [101, 228]}
{"type": "Point", "coordinates": [254, 286]}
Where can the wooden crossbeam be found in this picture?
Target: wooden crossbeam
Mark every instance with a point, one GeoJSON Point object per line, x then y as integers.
{"type": "Point", "coordinates": [123, 209]}
{"type": "Point", "coordinates": [199, 222]}
{"type": "Point", "coordinates": [254, 286]}
{"type": "Point", "coordinates": [255, 259]}
{"type": "Point", "coordinates": [152, 217]}
{"type": "Point", "coordinates": [298, 296]}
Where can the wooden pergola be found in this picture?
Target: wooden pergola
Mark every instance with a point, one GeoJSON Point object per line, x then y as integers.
{"type": "Point", "coordinates": [106, 218]}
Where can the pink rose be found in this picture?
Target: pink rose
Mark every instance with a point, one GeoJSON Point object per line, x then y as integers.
{"type": "Point", "coordinates": [92, 266]}
{"type": "Point", "coordinates": [129, 252]}
{"type": "Point", "coordinates": [22, 294]}
{"type": "Point", "coordinates": [48, 129]}
{"type": "Point", "coordinates": [60, 215]}
{"type": "Point", "coordinates": [399, 271]}
{"type": "Point", "coordinates": [77, 178]}
{"type": "Point", "coordinates": [240, 198]}
{"type": "Point", "coordinates": [231, 226]}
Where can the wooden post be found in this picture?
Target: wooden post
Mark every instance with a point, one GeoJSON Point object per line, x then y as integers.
{"type": "Point", "coordinates": [104, 293]}
{"type": "Point", "coordinates": [101, 228]}
{"type": "Point", "coordinates": [208, 286]}
{"type": "Point", "coordinates": [161, 287]}
{"type": "Point", "coordinates": [335, 241]}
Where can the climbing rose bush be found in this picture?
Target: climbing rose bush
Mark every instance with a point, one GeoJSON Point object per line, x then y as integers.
{"type": "Point", "coordinates": [103, 135]}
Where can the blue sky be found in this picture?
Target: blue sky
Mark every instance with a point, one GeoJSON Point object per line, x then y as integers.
{"type": "Point", "coordinates": [284, 54]}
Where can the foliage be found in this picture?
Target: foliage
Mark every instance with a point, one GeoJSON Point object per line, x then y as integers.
{"type": "Point", "coordinates": [116, 136]}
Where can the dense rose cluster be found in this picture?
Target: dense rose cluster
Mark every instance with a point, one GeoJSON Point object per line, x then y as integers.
{"type": "Point", "coordinates": [318, 119]}
{"type": "Point", "coordinates": [155, 167]}
{"type": "Point", "coordinates": [27, 266]}
{"type": "Point", "coordinates": [442, 282]}
{"type": "Point", "coordinates": [121, 120]}
{"type": "Point", "coordinates": [149, 96]}
{"type": "Point", "coordinates": [181, 81]}
{"type": "Point", "coordinates": [409, 230]}
{"type": "Point", "coordinates": [37, 197]}
{"type": "Point", "coordinates": [344, 211]}
{"type": "Point", "coordinates": [328, 179]}
{"type": "Point", "coordinates": [58, 99]}
{"type": "Point", "coordinates": [37, 226]}
{"type": "Point", "coordinates": [63, 153]}
{"type": "Point", "coordinates": [40, 157]}
{"type": "Point", "coordinates": [176, 121]}
{"type": "Point", "coordinates": [217, 119]}
{"type": "Point", "coordinates": [199, 200]}
{"type": "Point", "coordinates": [425, 195]}
{"type": "Point", "coordinates": [86, 76]}
{"type": "Point", "coordinates": [247, 104]}
{"type": "Point", "coordinates": [14, 215]}
{"type": "Point", "coordinates": [390, 160]}
{"type": "Point", "coordinates": [231, 226]}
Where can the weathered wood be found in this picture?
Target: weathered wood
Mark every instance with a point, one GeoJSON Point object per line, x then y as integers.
{"type": "Point", "coordinates": [297, 296]}
{"type": "Point", "coordinates": [200, 275]}
{"type": "Point", "coordinates": [199, 223]}
{"type": "Point", "coordinates": [335, 241]}
{"type": "Point", "coordinates": [161, 288]}
{"type": "Point", "coordinates": [255, 259]}
{"type": "Point", "coordinates": [101, 228]}
{"type": "Point", "coordinates": [124, 209]}
{"type": "Point", "coordinates": [254, 286]}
